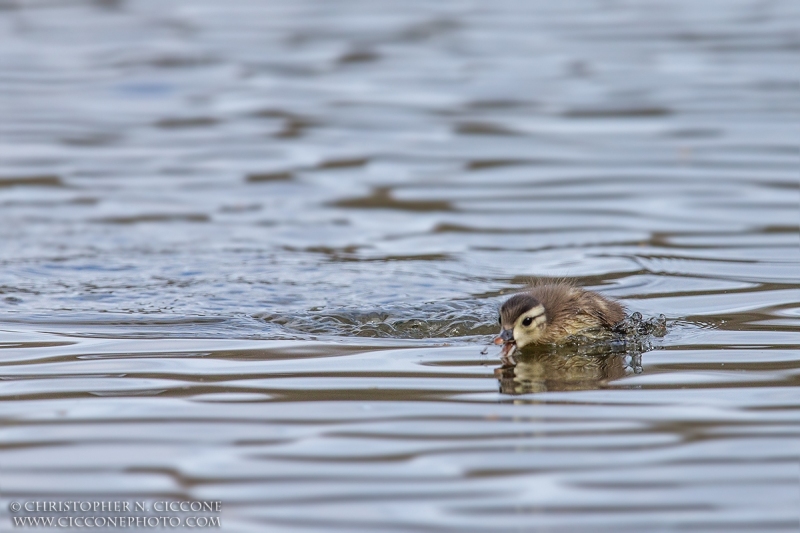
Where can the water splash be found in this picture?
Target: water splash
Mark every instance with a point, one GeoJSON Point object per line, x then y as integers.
{"type": "Point", "coordinates": [635, 326]}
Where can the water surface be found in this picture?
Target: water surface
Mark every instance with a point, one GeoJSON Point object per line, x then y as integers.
{"type": "Point", "coordinates": [252, 252]}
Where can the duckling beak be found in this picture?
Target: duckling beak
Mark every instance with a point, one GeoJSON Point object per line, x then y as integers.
{"type": "Point", "coordinates": [506, 335]}
{"type": "Point", "coordinates": [506, 338]}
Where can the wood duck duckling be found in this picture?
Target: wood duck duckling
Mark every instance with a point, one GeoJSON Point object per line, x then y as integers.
{"type": "Point", "coordinates": [550, 312]}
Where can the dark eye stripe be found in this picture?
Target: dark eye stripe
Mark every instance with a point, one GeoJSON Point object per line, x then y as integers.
{"type": "Point", "coordinates": [528, 320]}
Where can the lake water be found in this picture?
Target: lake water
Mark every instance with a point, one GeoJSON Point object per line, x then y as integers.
{"type": "Point", "coordinates": [252, 252]}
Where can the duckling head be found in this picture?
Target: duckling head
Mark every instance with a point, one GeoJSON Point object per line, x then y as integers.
{"type": "Point", "coordinates": [522, 321]}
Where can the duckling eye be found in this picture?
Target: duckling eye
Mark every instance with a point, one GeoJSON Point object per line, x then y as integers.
{"type": "Point", "coordinates": [527, 321]}
{"type": "Point", "coordinates": [500, 320]}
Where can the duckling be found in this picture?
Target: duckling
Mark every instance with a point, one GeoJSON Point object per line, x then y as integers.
{"type": "Point", "coordinates": [550, 312]}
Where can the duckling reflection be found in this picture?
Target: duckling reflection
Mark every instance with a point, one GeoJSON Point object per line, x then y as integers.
{"type": "Point", "coordinates": [565, 370]}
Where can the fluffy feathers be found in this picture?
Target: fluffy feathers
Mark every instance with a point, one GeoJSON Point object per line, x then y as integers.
{"type": "Point", "coordinates": [568, 310]}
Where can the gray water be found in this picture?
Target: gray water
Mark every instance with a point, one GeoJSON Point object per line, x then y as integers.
{"type": "Point", "coordinates": [253, 252]}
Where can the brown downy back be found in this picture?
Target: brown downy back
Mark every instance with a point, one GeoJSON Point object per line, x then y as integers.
{"type": "Point", "coordinates": [565, 302]}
